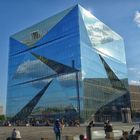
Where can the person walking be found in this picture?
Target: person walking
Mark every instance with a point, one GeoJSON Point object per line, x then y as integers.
{"type": "Point", "coordinates": [15, 135]}
{"type": "Point", "coordinates": [108, 130]}
{"type": "Point", "coordinates": [57, 129]}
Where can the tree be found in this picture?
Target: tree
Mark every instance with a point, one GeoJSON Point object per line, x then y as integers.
{"type": "Point", "coordinates": [2, 117]}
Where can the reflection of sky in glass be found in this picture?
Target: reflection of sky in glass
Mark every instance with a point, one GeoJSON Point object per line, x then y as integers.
{"type": "Point", "coordinates": [99, 33]}
{"type": "Point", "coordinates": [103, 38]}
{"type": "Point", "coordinates": [28, 72]}
{"type": "Point", "coordinates": [39, 30]}
{"type": "Point", "coordinates": [19, 96]}
{"type": "Point", "coordinates": [34, 68]}
{"type": "Point", "coordinates": [27, 69]}
{"type": "Point", "coordinates": [113, 50]}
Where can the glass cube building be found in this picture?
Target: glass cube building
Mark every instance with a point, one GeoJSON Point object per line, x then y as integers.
{"type": "Point", "coordinates": [70, 65]}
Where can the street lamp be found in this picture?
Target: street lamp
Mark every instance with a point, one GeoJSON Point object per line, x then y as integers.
{"type": "Point", "coordinates": [77, 89]}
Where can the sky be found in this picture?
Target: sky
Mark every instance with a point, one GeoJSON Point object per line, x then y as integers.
{"type": "Point", "coordinates": [122, 16]}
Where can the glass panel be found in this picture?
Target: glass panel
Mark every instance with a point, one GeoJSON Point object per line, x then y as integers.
{"type": "Point", "coordinates": [104, 72]}
{"type": "Point", "coordinates": [34, 33]}
{"type": "Point", "coordinates": [103, 38]}
{"type": "Point", "coordinates": [30, 69]}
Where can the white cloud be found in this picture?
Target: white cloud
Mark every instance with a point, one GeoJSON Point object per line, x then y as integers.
{"type": "Point", "coordinates": [134, 82]}
{"type": "Point", "coordinates": [137, 18]}
{"type": "Point", "coordinates": [32, 68]}
{"type": "Point", "coordinates": [100, 33]}
{"type": "Point", "coordinates": [132, 69]}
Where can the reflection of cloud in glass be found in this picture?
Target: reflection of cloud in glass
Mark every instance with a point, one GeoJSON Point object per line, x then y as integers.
{"type": "Point", "coordinates": [83, 74]}
{"type": "Point", "coordinates": [102, 38]}
{"type": "Point", "coordinates": [67, 80]}
{"type": "Point", "coordinates": [34, 68]}
{"type": "Point", "coordinates": [87, 13]}
{"type": "Point", "coordinates": [99, 34]}
{"type": "Point", "coordinates": [104, 51]}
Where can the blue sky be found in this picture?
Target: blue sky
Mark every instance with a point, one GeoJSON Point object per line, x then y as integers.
{"type": "Point", "coordinates": [123, 16]}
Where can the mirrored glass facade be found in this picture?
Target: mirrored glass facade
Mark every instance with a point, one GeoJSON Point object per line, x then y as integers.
{"type": "Point", "coordinates": [70, 65]}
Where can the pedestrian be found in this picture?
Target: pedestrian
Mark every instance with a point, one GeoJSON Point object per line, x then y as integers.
{"type": "Point", "coordinates": [105, 124]}
{"type": "Point", "coordinates": [81, 137]}
{"type": "Point", "coordinates": [124, 136]}
{"type": "Point", "coordinates": [18, 136]}
{"type": "Point", "coordinates": [62, 123]}
{"type": "Point", "coordinates": [15, 135]}
{"type": "Point", "coordinates": [108, 130]}
{"type": "Point", "coordinates": [57, 129]}
{"type": "Point", "coordinates": [135, 136]}
{"type": "Point", "coordinates": [91, 123]}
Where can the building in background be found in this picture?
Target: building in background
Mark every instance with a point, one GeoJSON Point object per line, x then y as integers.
{"type": "Point", "coordinates": [1, 110]}
{"type": "Point", "coordinates": [135, 100]}
{"type": "Point", "coordinates": [70, 65]}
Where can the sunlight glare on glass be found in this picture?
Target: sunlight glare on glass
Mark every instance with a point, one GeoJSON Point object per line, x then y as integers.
{"type": "Point", "coordinates": [102, 50]}
{"type": "Point", "coordinates": [87, 13]}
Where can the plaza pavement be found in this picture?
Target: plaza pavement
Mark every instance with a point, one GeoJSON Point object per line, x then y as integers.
{"type": "Point", "coordinates": [36, 133]}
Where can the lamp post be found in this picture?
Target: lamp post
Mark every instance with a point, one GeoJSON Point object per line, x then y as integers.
{"type": "Point", "coordinates": [77, 89]}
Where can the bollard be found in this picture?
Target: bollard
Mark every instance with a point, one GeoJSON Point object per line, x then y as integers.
{"type": "Point", "coordinates": [88, 132]}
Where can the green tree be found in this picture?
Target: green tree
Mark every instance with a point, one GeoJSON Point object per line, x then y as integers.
{"type": "Point", "coordinates": [2, 117]}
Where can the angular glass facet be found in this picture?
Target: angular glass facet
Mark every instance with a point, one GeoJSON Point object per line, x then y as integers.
{"type": "Point", "coordinates": [102, 37]}
{"type": "Point", "coordinates": [34, 33]}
